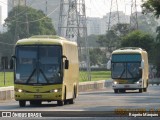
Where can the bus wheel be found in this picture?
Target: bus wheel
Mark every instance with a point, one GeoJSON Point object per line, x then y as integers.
{"type": "Point", "coordinates": [65, 100]}
{"type": "Point", "coordinates": [22, 103]}
{"type": "Point", "coordinates": [35, 102]}
{"type": "Point", "coordinates": [115, 90]}
{"type": "Point", "coordinates": [60, 102]}
{"type": "Point", "coordinates": [123, 91]}
{"type": "Point", "coordinates": [32, 102]}
{"type": "Point", "coordinates": [71, 101]}
{"type": "Point", "coordinates": [145, 89]}
{"type": "Point", "coordinates": [38, 102]}
{"type": "Point", "coordinates": [140, 90]}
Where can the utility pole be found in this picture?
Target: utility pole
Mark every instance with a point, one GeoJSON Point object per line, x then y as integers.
{"type": "Point", "coordinates": [27, 23]}
{"type": "Point", "coordinates": [46, 7]}
{"type": "Point", "coordinates": [133, 17]}
{"type": "Point", "coordinates": [113, 19]}
{"type": "Point", "coordinates": [83, 34]}
{"type": "Point", "coordinates": [72, 25]}
{"type": "Point", "coordinates": [68, 21]}
{"type": "Point", "coordinates": [113, 16]}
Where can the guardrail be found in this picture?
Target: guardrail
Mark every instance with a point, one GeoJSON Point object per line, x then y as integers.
{"type": "Point", "coordinates": [7, 93]}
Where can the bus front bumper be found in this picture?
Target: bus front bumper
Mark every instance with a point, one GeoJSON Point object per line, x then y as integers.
{"type": "Point", "coordinates": [127, 86]}
{"type": "Point", "coordinates": [38, 96]}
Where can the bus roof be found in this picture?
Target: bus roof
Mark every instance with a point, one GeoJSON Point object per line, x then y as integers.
{"type": "Point", "coordinates": [128, 50]}
{"type": "Point", "coordinates": [44, 40]}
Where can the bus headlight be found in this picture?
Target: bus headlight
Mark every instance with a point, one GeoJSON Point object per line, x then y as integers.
{"type": "Point", "coordinates": [115, 82]}
{"type": "Point", "coordinates": [56, 90]}
{"type": "Point", "coordinates": [137, 82]}
{"type": "Point", "coordinates": [20, 90]}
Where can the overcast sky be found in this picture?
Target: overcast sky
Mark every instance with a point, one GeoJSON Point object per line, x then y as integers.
{"type": "Point", "coordinates": [98, 8]}
{"type": "Point", "coordinates": [3, 4]}
{"type": "Point", "coordinates": [94, 8]}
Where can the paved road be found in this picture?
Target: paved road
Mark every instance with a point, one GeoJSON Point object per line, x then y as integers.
{"type": "Point", "coordinates": [102, 100]}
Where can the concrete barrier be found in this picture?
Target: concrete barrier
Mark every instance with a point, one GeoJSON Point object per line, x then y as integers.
{"type": "Point", "coordinates": [93, 85]}
{"type": "Point", "coordinates": [7, 93]}
{"type": "Point", "coordinates": [154, 81]}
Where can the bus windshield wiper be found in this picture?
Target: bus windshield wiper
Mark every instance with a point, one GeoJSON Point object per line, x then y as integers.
{"type": "Point", "coordinates": [44, 75]}
{"type": "Point", "coordinates": [122, 73]}
{"type": "Point", "coordinates": [130, 73]}
{"type": "Point", "coordinates": [31, 75]}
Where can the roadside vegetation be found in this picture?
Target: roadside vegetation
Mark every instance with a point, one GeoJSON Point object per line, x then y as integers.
{"type": "Point", "coordinates": [8, 76]}
{"type": "Point", "coordinates": [95, 76]}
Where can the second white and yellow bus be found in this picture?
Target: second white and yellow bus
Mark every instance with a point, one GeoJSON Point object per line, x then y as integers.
{"type": "Point", "coordinates": [129, 69]}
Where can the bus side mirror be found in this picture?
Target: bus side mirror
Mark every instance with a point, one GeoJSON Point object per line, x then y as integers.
{"type": "Point", "coordinates": [12, 62]}
{"type": "Point", "coordinates": [66, 64]}
{"type": "Point", "coordinates": [142, 64]}
{"type": "Point", "coordinates": [109, 65]}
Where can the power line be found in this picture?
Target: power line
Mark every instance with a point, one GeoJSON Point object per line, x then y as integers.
{"type": "Point", "coordinates": [6, 43]}
{"type": "Point", "coordinates": [133, 17]}
{"type": "Point", "coordinates": [20, 13]}
{"type": "Point", "coordinates": [37, 19]}
{"type": "Point", "coordinates": [113, 17]}
{"type": "Point", "coordinates": [23, 12]}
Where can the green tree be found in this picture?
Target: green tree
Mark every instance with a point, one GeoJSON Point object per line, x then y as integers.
{"type": "Point", "coordinates": [25, 21]}
{"type": "Point", "coordinates": [156, 49]}
{"type": "Point", "coordinates": [151, 6]}
{"type": "Point", "coordinates": [121, 29]}
{"type": "Point", "coordinates": [156, 55]}
{"type": "Point", "coordinates": [138, 39]}
{"type": "Point", "coordinates": [147, 23]}
{"type": "Point", "coordinates": [142, 40]}
{"type": "Point", "coordinates": [97, 56]}
{"type": "Point", "coordinates": [110, 40]}
{"type": "Point", "coordinates": [158, 34]}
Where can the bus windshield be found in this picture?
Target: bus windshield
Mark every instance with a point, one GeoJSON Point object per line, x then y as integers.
{"type": "Point", "coordinates": [38, 64]}
{"type": "Point", "coordinates": [126, 66]}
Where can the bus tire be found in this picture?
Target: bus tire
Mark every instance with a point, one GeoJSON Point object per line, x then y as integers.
{"type": "Point", "coordinates": [140, 90]}
{"type": "Point", "coordinates": [115, 90]}
{"type": "Point", "coordinates": [71, 101]}
{"type": "Point", "coordinates": [22, 103]}
{"type": "Point", "coordinates": [122, 90]}
{"type": "Point", "coordinates": [60, 102]}
{"type": "Point", "coordinates": [32, 102]}
{"type": "Point", "coordinates": [35, 102]}
{"type": "Point", "coordinates": [145, 89]}
{"type": "Point", "coordinates": [65, 100]}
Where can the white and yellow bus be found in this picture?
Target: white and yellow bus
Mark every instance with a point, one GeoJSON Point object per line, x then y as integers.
{"type": "Point", "coordinates": [45, 69]}
{"type": "Point", "coordinates": [129, 69]}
